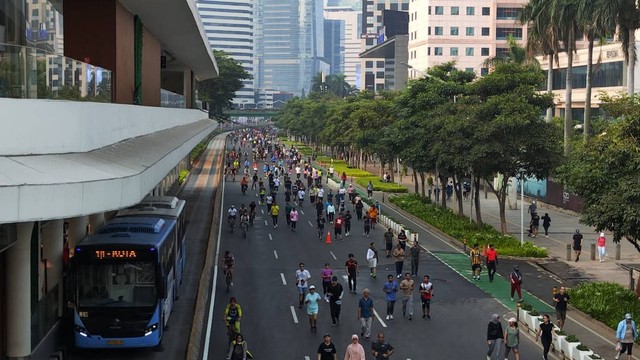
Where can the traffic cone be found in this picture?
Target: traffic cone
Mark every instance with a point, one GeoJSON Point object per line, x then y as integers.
{"type": "Point", "coordinates": [328, 240]}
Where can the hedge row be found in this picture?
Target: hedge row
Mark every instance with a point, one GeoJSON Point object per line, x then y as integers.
{"type": "Point", "coordinates": [604, 301]}
{"type": "Point", "coordinates": [461, 228]}
{"type": "Point", "coordinates": [379, 185]}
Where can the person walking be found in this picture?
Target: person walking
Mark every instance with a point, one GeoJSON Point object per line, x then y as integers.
{"type": "Point", "coordinates": [474, 256]}
{"type": "Point", "coordinates": [515, 278]}
{"type": "Point", "coordinates": [294, 218]}
{"type": "Point", "coordinates": [546, 223]}
{"type": "Point", "coordinates": [545, 334]}
{"type": "Point", "coordinates": [626, 334]}
{"type": "Point", "coordinates": [352, 272]}
{"type": "Point", "coordinates": [337, 226]}
{"type": "Point", "coordinates": [331, 212]}
{"type": "Point", "coordinates": [335, 300]}
{"type": "Point", "coordinates": [512, 339]}
{"type": "Point", "coordinates": [326, 349]}
{"type": "Point", "coordinates": [359, 207]}
{"type": "Point", "coordinates": [414, 254]}
{"type": "Point", "coordinates": [355, 351]}
{"type": "Point", "coordinates": [491, 261]}
{"type": "Point", "coordinates": [388, 242]}
{"type": "Point", "coordinates": [326, 275]}
{"type": "Point", "coordinates": [367, 225]}
{"type": "Point", "coordinates": [373, 216]}
{"type": "Point", "coordinates": [398, 256]}
{"type": "Point", "coordinates": [535, 224]}
{"type": "Point", "coordinates": [372, 259]}
{"type": "Point", "coordinates": [402, 240]}
{"type": "Point", "coordinates": [275, 211]}
{"type": "Point", "coordinates": [390, 289]}
{"type": "Point", "coordinates": [369, 188]}
{"type": "Point", "coordinates": [302, 279]}
{"type": "Point", "coordinates": [561, 299]}
{"type": "Point", "coordinates": [365, 314]}
{"type": "Point", "coordinates": [312, 299]}
{"type": "Point", "coordinates": [426, 292]}
{"type": "Point", "coordinates": [406, 288]}
{"type": "Point", "coordinates": [381, 349]}
{"type": "Point", "coordinates": [347, 223]}
{"type": "Point", "coordinates": [494, 337]}
{"type": "Point", "coordinates": [533, 207]}
{"type": "Point", "coordinates": [577, 244]}
{"type": "Point", "coordinates": [602, 243]}
{"type": "Point", "coordinates": [287, 213]}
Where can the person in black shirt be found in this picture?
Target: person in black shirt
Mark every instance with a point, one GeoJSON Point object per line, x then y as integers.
{"type": "Point", "coordinates": [535, 224]}
{"type": "Point", "coordinates": [561, 299]}
{"type": "Point", "coordinates": [577, 244]}
{"type": "Point", "coordinates": [494, 336]}
{"type": "Point", "coordinates": [326, 350]}
{"type": "Point", "coordinates": [335, 292]}
{"type": "Point", "coordinates": [545, 335]}
{"type": "Point", "coordinates": [381, 349]}
{"type": "Point", "coordinates": [546, 222]}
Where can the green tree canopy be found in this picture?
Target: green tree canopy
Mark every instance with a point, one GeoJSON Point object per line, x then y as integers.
{"type": "Point", "coordinates": [218, 92]}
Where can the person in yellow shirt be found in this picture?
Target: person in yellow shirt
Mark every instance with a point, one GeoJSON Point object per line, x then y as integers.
{"type": "Point", "coordinates": [474, 254]}
{"type": "Point", "coordinates": [275, 211]}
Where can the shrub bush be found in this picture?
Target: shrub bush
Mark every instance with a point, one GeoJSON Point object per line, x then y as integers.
{"type": "Point", "coordinates": [182, 176]}
{"type": "Point", "coordinates": [582, 347]}
{"type": "Point", "coordinates": [379, 185]}
{"type": "Point", "coordinates": [604, 301]}
{"type": "Point", "coordinates": [461, 228]}
{"type": "Point", "coordinates": [572, 339]}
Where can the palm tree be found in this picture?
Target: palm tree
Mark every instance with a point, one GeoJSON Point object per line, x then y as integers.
{"type": "Point", "coordinates": [542, 37]}
{"type": "Point", "coordinates": [625, 16]}
{"type": "Point", "coordinates": [517, 54]}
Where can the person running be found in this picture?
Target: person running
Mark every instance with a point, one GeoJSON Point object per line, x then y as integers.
{"type": "Point", "coordinates": [426, 292]}
{"type": "Point", "coordinates": [287, 213]}
{"type": "Point", "coordinates": [326, 275]}
{"type": "Point", "coordinates": [414, 253]}
{"type": "Point", "coordinates": [626, 334]}
{"type": "Point", "coordinates": [312, 299]}
{"type": "Point", "coordinates": [577, 244]}
{"type": "Point", "coordinates": [474, 256]}
{"type": "Point", "coordinates": [390, 289]}
{"type": "Point", "coordinates": [602, 243]}
{"type": "Point", "coordinates": [515, 278]}
{"type": "Point", "coordinates": [367, 225]}
{"type": "Point", "coordinates": [275, 211]}
{"type": "Point", "coordinates": [561, 299]}
{"type": "Point", "coordinates": [354, 351]}
{"type": "Point", "coordinates": [294, 218]}
{"type": "Point", "coordinates": [388, 242]}
{"type": "Point", "coordinates": [365, 314]}
{"type": "Point", "coordinates": [491, 261]}
{"type": "Point", "coordinates": [512, 339]}
{"type": "Point", "coordinates": [398, 256]}
{"type": "Point", "coordinates": [320, 224]}
{"type": "Point", "coordinates": [545, 334]}
{"type": "Point", "coordinates": [406, 287]}
{"type": "Point", "coordinates": [546, 223]}
{"type": "Point", "coordinates": [351, 265]}
{"type": "Point", "coordinates": [372, 259]}
{"type": "Point", "coordinates": [381, 349]}
{"type": "Point", "coordinates": [326, 349]}
{"type": "Point", "coordinates": [237, 349]}
{"type": "Point", "coordinates": [494, 337]}
{"type": "Point", "coordinates": [335, 293]}
{"type": "Point", "coordinates": [302, 279]}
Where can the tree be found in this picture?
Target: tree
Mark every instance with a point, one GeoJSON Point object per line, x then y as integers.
{"type": "Point", "coordinates": [604, 171]}
{"type": "Point", "coordinates": [218, 92]}
{"type": "Point", "coordinates": [517, 54]}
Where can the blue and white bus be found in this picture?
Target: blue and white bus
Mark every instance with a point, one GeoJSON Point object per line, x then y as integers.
{"type": "Point", "coordinates": [125, 282]}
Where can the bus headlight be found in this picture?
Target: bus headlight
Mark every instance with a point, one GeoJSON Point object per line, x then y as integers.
{"type": "Point", "coordinates": [151, 329]}
{"type": "Point", "coordinates": [82, 331]}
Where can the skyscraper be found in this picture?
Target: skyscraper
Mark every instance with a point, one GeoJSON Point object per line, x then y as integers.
{"type": "Point", "coordinates": [229, 25]}
{"type": "Point", "coordinates": [350, 42]}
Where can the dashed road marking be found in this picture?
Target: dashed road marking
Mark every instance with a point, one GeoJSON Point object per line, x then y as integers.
{"type": "Point", "coordinates": [275, 253]}
{"type": "Point", "coordinates": [266, 223]}
{"type": "Point", "coordinates": [284, 281]}
{"type": "Point", "coordinates": [270, 237]}
{"type": "Point", "coordinates": [293, 313]}
{"type": "Point", "coordinates": [262, 211]}
{"type": "Point", "coordinates": [334, 255]}
{"type": "Point", "coordinates": [310, 224]}
{"type": "Point", "coordinates": [301, 212]}
{"type": "Point", "coordinates": [379, 318]}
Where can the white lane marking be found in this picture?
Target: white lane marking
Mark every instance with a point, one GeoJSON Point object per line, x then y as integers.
{"type": "Point", "coordinates": [262, 211]}
{"type": "Point", "coordinates": [284, 281]}
{"type": "Point", "coordinates": [334, 255]}
{"type": "Point", "coordinates": [307, 358]}
{"type": "Point", "coordinates": [379, 318]}
{"type": "Point", "coordinates": [275, 253]}
{"type": "Point", "coordinates": [270, 237]}
{"type": "Point", "coordinates": [266, 223]}
{"type": "Point", "coordinates": [301, 212]}
{"type": "Point", "coordinates": [293, 313]}
{"type": "Point", "coordinates": [345, 278]}
{"type": "Point", "coordinates": [310, 224]}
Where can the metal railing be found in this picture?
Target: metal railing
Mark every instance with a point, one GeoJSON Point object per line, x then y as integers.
{"type": "Point", "coordinates": [31, 73]}
{"type": "Point", "coordinates": [171, 100]}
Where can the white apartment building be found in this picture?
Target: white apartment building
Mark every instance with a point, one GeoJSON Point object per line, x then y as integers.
{"type": "Point", "coordinates": [229, 25]}
{"type": "Point", "coordinates": [351, 42]}
{"type": "Point", "coordinates": [465, 31]}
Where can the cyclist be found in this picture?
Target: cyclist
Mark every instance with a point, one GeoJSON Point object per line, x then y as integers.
{"type": "Point", "coordinates": [227, 262]}
{"type": "Point", "coordinates": [255, 181]}
{"type": "Point", "coordinates": [244, 184]}
{"type": "Point", "coordinates": [252, 211]}
{"type": "Point", "coordinates": [244, 222]}
{"type": "Point", "coordinates": [262, 192]}
{"type": "Point", "coordinates": [232, 214]}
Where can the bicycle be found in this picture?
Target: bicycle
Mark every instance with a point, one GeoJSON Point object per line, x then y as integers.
{"type": "Point", "coordinates": [232, 224]}
{"type": "Point", "coordinates": [243, 187]}
{"type": "Point", "coordinates": [245, 229]}
{"type": "Point", "coordinates": [252, 215]}
{"type": "Point", "coordinates": [228, 279]}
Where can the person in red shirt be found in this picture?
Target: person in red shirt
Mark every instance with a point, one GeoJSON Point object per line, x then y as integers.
{"type": "Point", "coordinates": [337, 226]}
{"type": "Point", "coordinates": [492, 261]}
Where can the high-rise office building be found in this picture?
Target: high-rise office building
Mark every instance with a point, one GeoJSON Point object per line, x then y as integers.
{"type": "Point", "coordinates": [334, 45]}
{"type": "Point", "coordinates": [229, 25]}
{"type": "Point", "coordinates": [289, 44]}
{"type": "Point", "coordinates": [350, 42]}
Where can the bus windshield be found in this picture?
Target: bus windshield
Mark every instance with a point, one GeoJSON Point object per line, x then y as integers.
{"type": "Point", "coordinates": [126, 284]}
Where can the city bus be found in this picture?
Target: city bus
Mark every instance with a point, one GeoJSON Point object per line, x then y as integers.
{"type": "Point", "coordinates": [124, 283]}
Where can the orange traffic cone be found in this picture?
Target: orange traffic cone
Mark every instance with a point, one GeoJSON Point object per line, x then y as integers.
{"type": "Point", "coordinates": [328, 240]}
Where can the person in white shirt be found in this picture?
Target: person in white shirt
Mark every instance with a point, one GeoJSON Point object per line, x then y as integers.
{"type": "Point", "coordinates": [302, 279]}
{"type": "Point", "coordinates": [372, 259]}
{"type": "Point", "coordinates": [300, 197]}
{"type": "Point", "coordinates": [320, 194]}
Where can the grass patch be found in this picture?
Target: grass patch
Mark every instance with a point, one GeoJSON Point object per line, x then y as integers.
{"type": "Point", "coordinates": [460, 228]}
{"type": "Point", "coordinates": [182, 176]}
{"type": "Point", "coordinates": [379, 185]}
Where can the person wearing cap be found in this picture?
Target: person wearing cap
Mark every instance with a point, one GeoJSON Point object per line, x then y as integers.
{"type": "Point", "coordinates": [494, 337]}
{"type": "Point", "coordinates": [602, 243]}
{"type": "Point", "coordinates": [355, 351]}
{"type": "Point", "coordinates": [626, 334]}
{"type": "Point", "coordinates": [577, 244]}
{"type": "Point", "coordinates": [515, 278]}
{"type": "Point", "coordinates": [326, 349]}
{"type": "Point", "coordinates": [335, 293]}
{"type": "Point", "coordinates": [561, 299]}
{"type": "Point", "coordinates": [312, 300]}
{"type": "Point", "coordinates": [512, 339]}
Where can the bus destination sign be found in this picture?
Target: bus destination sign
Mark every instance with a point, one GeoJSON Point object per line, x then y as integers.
{"type": "Point", "coordinates": [116, 254]}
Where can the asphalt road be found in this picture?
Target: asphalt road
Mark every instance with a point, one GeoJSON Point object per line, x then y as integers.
{"type": "Point", "coordinates": [275, 328]}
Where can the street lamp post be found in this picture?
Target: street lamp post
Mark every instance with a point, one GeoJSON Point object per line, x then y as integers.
{"type": "Point", "coordinates": [521, 207]}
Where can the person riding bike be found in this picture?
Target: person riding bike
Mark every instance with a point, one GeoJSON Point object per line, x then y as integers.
{"type": "Point", "coordinates": [232, 214]}
{"type": "Point", "coordinates": [252, 211]}
{"type": "Point", "coordinates": [243, 210]}
{"type": "Point", "coordinates": [227, 262]}
{"type": "Point", "coordinates": [244, 184]}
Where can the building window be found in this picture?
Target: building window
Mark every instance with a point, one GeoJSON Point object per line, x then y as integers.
{"type": "Point", "coordinates": [469, 31]}
{"type": "Point", "coordinates": [484, 52]}
{"type": "Point", "coordinates": [381, 6]}
{"type": "Point", "coordinates": [502, 52]}
{"type": "Point", "coordinates": [379, 64]}
{"type": "Point", "coordinates": [484, 71]}
{"type": "Point", "coordinates": [453, 51]}
{"type": "Point", "coordinates": [405, 7]}
{"type": "Point", "coordinates": [468, 69]}
{"type": "Point", "coordinates": [429, 10]}
{"type": "Point", "coordinates": [503, 33]}
{"type": "Point", "coordinates": [369, 42]}
{"type": "Point", "coordinates": [394, 7]}
{"type": "Point", "coordinates": [455, 10]}
{"type": "Point", "coordinates": [468, 51]}
{"type": "Point", "coordinates": [437, 51]}
{"type": "Point", "coordinates": [379, 18]}
{"type": "Point", "coordinates": [486, 11]}
{"type": "Point", "coordinates": [380, 75]}
{"type": "Point", "coordinates": [439, 10]}
{"type": "Point", "coordinates": [428, 51]}
{"type": "Point", "coordinates": [471, 10]}
{"type": "Point", "coordinates": [485, 31]}
{"type": "Point", "coordinates": [368, 64]}
{"type": "Point", "coordinates": [438, 30]}
{"type": "Point", "coordinates": [454, 31]}
{"type": "Point", "coordinates": [507, 13]}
